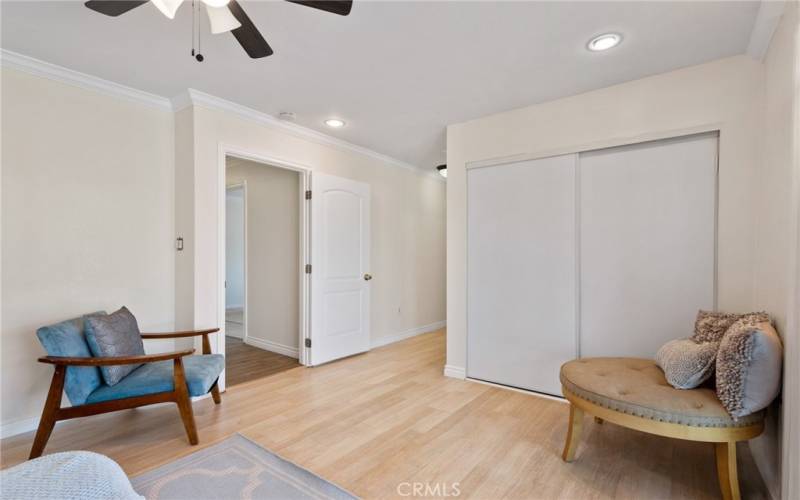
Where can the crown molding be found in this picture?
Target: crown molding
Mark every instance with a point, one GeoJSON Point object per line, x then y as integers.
{"type": "Point", "coordinates": [194, 97]}
{"type": "Point", "coordinates": [767, 19]}
{"type": "Point", "coordinates": [61, 74]}
{"type": "Point", "coordinates": [30, 65]}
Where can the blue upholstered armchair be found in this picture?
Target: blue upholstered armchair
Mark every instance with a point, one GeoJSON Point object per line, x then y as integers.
{"type": "Point", "coordinates": [167, 377]}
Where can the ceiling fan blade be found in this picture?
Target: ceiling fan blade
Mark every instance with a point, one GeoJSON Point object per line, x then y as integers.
{"type": "Point", "coordinates": [341, 7]}
{"type": "Point", "coordinates": [247, 34]}
{"type": "Point", "coordinates": [114, 7]}
{"type": "Point", "coordinates": [221, 19]}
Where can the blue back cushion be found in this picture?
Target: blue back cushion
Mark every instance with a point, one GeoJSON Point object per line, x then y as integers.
{"type": "Point", "coordinates": [67, 339]}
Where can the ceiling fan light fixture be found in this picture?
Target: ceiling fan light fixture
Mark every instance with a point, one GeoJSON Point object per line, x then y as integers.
{"type": "Point", "coordinates": [334, 123]}
{"type": "Point", "coordinates": [221, 19]}
{"type": "Point", "coordinates": [168, 7]}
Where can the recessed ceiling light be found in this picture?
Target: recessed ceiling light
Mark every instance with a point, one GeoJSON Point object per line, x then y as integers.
{"type": "Point", "coordinates": [604, 42]}
{"type": "Point", "coordinates": [334, 122]}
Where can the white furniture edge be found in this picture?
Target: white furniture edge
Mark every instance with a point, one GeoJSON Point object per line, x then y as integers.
{"type": "Point", "coordinates": [33, 66]}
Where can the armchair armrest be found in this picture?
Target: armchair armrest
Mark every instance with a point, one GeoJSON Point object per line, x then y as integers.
{"type": "Point", "coordinates": [110, 361]}
{"type": "Point", "coordinates": [174, 335]}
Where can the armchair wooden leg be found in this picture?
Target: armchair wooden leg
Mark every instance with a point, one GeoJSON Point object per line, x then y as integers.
{"type": "Point", "coordinates": [51, 407]}
{"type": "Point", "coordinates": [573, 433]}
{"type": "Point", "coordinates": [727, 471]}
{"type": "Point", "coordinates": [184, 402]}
{"type": "Point", "coordinates": [215, 393]}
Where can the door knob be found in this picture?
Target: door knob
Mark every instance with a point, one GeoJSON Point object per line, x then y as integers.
{"type": "Point", "coordinates": [367, 277]}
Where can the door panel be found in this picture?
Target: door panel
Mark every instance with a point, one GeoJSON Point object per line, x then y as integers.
{"type": "Point", "coordinates": [521, 272]}
{"type": "Point", "coordinates": [647, 243]}
{"type": "Point", "coordinates": [340, 251]}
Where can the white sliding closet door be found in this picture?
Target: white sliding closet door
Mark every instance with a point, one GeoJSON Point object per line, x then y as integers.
{"type": "Point", "coordinates": [647, 243]}
{"type": "Point", "coordinates": [521, 272]}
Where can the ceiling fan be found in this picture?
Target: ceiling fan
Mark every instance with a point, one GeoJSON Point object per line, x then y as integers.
{"type": "Point", "coordinates": [224, 15]}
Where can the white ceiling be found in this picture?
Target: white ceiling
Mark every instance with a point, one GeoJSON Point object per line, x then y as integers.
{"type": "Point", "coordinates": [397, 72]}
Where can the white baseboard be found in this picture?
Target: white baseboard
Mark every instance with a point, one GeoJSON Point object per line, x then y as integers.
{"type": "Point", "coordinates": [19, 426]}
{"type": "Point", "coordinates": [455, 372]}
{"type": "Point", "coordinates": [391, 339]}
{"type": "Point", "coordinates": [272, 346]}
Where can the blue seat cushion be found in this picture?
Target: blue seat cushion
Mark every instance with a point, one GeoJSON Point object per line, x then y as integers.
{"type": "Point", "coordinates": [151, 378]}
{"type": "Point", "coordinates": [68, 339]}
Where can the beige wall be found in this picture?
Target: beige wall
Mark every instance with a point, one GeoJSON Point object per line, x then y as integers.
{"type": "Point", "coordinates": [184, 221]}
{"type": "Point", "coordinates": [273, 248]}
{"type": "Point", "coordinates": [725, 94]}
{"type": "Point", "coordinates": [96, 187]}
{"type": "Point", "coordinates": [776, 230]}
{"type": "Point", "coordinates": [408, 220]}
{"type": "Point", "coordinates": [87, 221]}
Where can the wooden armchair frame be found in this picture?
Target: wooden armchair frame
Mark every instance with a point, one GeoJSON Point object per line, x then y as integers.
{"type": "Point", "coordinates": [53, 412]}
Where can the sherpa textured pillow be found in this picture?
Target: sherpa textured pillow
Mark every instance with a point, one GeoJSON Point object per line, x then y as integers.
{"type": "Point", "coordinates": [114, 335]}
{"type": "Point", "coordinates": [749, 365]}
{"type": "Point", "coordinates": [686, 363]}
{"type": "Point", "coordinates": [711, 326]}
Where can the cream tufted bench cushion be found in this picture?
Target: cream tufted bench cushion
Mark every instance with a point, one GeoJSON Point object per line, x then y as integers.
{"type": "Point", "coordinates": [638, 387]}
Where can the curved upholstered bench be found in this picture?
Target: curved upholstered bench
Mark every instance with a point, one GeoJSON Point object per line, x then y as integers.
{"type": "Point", "coordinates": [634, 393]}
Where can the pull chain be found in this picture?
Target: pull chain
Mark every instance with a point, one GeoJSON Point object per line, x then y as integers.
{"type": "Point", "coordinates": [192, 28]}
{"type": "Point", "coordinates": [199, 35]}
{"type": "Point", "coordinates": [196, 25]}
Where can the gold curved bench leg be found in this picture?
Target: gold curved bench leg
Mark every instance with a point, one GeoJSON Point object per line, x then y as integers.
{"type": "Point", "coordinates": [726, 470]}
{"type": "Point", "coordinates": [573, 433]}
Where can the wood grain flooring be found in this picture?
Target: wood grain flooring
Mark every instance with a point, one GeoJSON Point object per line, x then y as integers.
{"type": "Point", "coordinates": [245, 362]}
{"type": "Point", "coordinates": [389, 419]}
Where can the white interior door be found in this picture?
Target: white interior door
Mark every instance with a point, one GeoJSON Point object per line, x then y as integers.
{"type": "Point", "coordinates": [340, 256]}
{"type": "Point", "coordinates": [521, 272]}
{"type": "Point", "coordinates": [647, 243]}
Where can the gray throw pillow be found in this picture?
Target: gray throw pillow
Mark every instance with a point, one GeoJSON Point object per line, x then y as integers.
{"type": "Point", "coordinates": [749, 365]}
{"type": "Point", "coordinates": [114, 335]}
{"type": "Point", "coordinates": [687, 363]}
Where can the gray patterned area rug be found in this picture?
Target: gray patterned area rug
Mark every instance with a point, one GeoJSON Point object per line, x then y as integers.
{"type": "Point", "coordinates": [236, 468]}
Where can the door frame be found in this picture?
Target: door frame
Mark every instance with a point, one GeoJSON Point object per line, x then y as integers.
{"type": "Point", "coordinates": [243, 186]}
{"type": "Point", "coordinates": [304, 279]}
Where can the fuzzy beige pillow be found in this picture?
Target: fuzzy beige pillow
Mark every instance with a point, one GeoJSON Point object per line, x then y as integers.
{"type": "Point", "coordinates": [711, 326]}
{"type": "Point", "coordinates": [749, 365]}
{"type": "Point", "coordinates": [686, 363]}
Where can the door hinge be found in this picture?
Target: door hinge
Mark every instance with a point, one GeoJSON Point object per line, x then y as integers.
{"type": "Point", "coordinates": [308, 194]}
{"type": "Point", "coordinates": [308, 342]}
{"type": "Point", "coordinates": [308, 268]}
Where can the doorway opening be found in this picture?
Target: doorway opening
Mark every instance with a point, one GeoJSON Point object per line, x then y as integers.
{"type": "Point", "coordinates": [263, 256]}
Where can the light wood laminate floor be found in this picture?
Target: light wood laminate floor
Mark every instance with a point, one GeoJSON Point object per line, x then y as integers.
{"type": "Point", "coordinates": [373, 422]}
